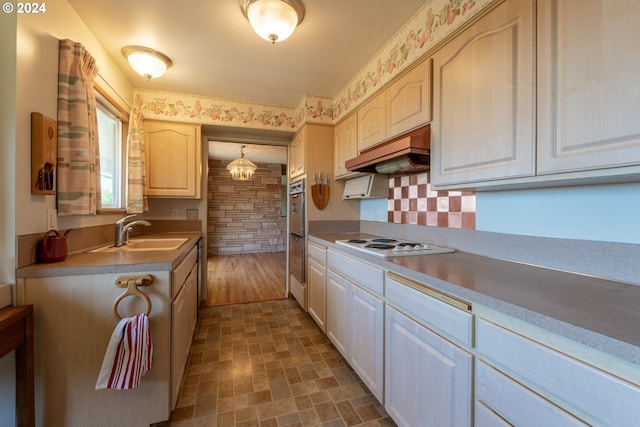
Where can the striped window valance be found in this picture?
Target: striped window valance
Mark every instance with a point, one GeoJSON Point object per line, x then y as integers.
{"type": "Point", "coordinates": [78, 149]}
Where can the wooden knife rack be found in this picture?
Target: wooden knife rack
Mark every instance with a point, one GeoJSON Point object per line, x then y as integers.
{"type": "Point", "coordinates": [44, 154]}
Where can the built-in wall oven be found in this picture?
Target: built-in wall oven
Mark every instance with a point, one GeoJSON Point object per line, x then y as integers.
{"type": "Point", "coordinates": [297, 232]}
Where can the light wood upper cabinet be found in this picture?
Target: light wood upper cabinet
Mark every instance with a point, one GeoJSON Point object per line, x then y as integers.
{"type": "Point", "coordinates": [173, 159]}
{"type": "Point", "coordinates": [483, 127]}
{"type": "Point", "coordinates": [588, 102]}
{"type": "Point", "coordinates": [372, 122]}
{"type": "Point", "coordinates": [346, 144]}
{"type": "Point", "coordinates": [409, 100]}
{"type": "Point", "coordinates": [297, 155]}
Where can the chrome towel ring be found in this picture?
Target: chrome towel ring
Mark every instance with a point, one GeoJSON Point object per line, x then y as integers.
{"type": "Point", "coordinates": [131, 284]}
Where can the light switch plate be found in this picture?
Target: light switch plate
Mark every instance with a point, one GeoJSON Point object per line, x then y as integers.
{"type": "Point", "coordinates": [192, 213]}
{"type": "Point", "coordinates": [52, 219]}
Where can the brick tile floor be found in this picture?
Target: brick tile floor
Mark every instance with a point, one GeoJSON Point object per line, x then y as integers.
{"type": "Point", "coordinates": [267, 364]}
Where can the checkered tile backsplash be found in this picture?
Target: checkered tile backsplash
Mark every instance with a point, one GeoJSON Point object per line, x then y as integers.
{"type": "Point", "coordinates": [411, 201]}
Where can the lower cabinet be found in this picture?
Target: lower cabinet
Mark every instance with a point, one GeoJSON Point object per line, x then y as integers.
{"type": "Point", "coordinates": [432, 360]}
{"type": "Point", "coordinates": [73, 323]}
{"type": "Point", "coordinates": [355, 322]}
{"type": "Point", "coordinates": [317, 284]}
{"type": "Point", "coordinates": [338, 312]}
{"type": "Point", "coordinates": [427, 378]}
{"type": "Point", "coordinates": [501, 401]}
{"type": "Point", "coordinates": [366, 320]}
{"type": "Point", "coordinates": [184, 316]}
{"type": "Point", "coordinates": [546, 384]}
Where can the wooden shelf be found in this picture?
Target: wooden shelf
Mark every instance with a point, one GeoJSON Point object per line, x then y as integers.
{"type": "Point", "coordinates": [16, 333]}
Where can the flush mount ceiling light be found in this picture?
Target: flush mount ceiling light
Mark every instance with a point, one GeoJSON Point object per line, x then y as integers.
{"type": "Point", "coordinates": [241, 169]}
{"type": "Point", "coordinates": [146, 62]}
{"type": "Point", "coordinates": [273, 20]}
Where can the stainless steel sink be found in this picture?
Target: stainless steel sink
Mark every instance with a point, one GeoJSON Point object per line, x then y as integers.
{"type": "Point", "coordinates": [140, 245]}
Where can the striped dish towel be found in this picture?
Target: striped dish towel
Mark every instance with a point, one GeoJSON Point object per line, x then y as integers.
{"type": "Point", "coordinates": [128, 356]}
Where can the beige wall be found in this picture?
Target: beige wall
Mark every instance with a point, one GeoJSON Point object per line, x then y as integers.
{"type": "Point", "coordinates": [37, 90]}
{"type": "Point", "coordinates": [28, 82]}
{"type": "Point", "coordinates": [7, 195]}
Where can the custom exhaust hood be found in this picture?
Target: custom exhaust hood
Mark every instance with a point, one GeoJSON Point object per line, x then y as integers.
{"type": "Point", "coordinates": [407, 153]}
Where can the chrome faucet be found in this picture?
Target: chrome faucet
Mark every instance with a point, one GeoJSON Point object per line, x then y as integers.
{"type": "Point", "coordinates": [122, 229]}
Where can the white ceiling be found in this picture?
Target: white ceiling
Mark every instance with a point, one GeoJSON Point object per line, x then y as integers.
{"type": "Point", "coordinates": [216, 53]}
{"type": "Point", "coordinates": [229, 151]}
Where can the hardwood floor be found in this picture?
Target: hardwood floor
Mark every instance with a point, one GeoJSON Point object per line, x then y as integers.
{"type": "Point", "coordinates": [244, 278]}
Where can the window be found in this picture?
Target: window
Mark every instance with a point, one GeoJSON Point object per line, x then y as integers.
{"type": "Point", "coordinates": [112, 137]}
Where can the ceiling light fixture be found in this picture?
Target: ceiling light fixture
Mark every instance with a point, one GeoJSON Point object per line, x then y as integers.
{"type": "Point", "coordinates": [273, 20]}
{"type": "Point", "coordinates": [147, 62]}
{"type": "Point", "coordinates": [241, 168]}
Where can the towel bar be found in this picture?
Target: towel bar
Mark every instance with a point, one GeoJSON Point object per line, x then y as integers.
{"type": "Point", "coordinates": [132, 283]}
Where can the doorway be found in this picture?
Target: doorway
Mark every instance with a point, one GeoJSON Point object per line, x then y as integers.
{"type": "Point", "coordinates": [246, 224]}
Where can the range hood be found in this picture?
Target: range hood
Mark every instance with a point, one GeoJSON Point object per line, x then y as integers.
{"type": "Point", "coordinates": [407, 153]}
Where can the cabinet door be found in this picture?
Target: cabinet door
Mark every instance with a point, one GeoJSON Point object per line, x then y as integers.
{"type": "Point", "coordinates": [483, 127]}
{"type": "Point", "coordinates": [427, 379]}
{"type": "Point", "coordinates": [367, 339]}
{"type": "Point", "coordinates": [338, 292]}
{"type": "Point", "coordinates": [409, 100]}
{"type": "Point", "coordinates": [297, 155]}
{"type": "Point", "coordinates": [346, 144]}
{"type": "Point", "coordinates": [173, 159]}
{"type": "Point", "coordinates": [184, 315]}
{"type": "Point", "coordinates": [317, 287]}
{"type": "Point", "coordinates": [588, 102]}
{"type": "Point", "coordinates": [372, 122]}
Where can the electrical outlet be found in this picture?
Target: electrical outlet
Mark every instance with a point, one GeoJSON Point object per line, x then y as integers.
{"type": "Point", "coordinates": [192, 213]}
{"type": "Point", "coordinates": [175, 214]}
{"type": "Point", "coordinates": [52, 219]}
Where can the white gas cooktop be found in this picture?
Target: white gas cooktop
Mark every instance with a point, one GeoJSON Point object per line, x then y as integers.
{"type": "Point", "coordinates": [388, 247]}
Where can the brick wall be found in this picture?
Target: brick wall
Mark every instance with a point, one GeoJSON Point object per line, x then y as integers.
{"type": "Point", "coordinates": [245, 216]}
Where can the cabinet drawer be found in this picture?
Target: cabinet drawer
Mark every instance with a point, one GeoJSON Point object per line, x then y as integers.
{"type": "Point", "coordinates": [406, 295]}
{"type": "Point", "coordinates": [365, 275]}
{"type": "Point", "coordinates": [485, 417]}
{"type": "Point", "coordinates": [181, 272]}
{"type": "Point", "coordinates": [601, 398]}
{"type": "Point", "coordinates": [318, 252]}
{"type": "Point", "coordinates": [515, 403]}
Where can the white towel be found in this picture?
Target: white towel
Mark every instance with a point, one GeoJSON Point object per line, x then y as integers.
{"type": "Point", "coordinates": [128, 356]}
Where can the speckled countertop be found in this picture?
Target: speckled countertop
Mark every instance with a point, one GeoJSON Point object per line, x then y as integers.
{"type": "Point", "coordinates": [86, 262]}
{"type": "Point", "coordinates": [598, 313]}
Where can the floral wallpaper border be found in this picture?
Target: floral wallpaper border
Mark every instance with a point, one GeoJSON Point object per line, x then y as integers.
{"type": "Point", "coordinates": [431, 24]}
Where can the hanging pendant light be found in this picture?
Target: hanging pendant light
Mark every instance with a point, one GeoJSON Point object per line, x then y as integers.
{"type": "Point", "coordinates": [273, 20]}
{"type": "Point", "coordinates": [241, 168]}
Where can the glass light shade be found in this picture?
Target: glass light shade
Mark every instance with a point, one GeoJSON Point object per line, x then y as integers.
{"type": "Point", "coordinates": [273, 20]}
{"type": "Point", "coordinates": [241, 169]}
{"type": "Point", "coordinates": [146, 62]}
